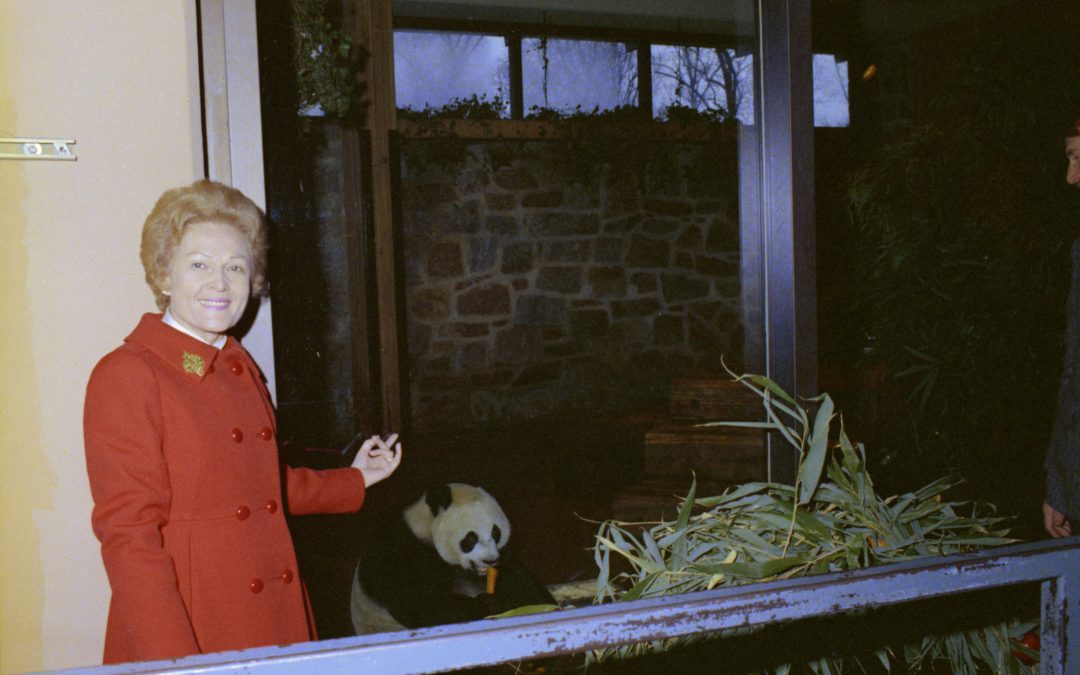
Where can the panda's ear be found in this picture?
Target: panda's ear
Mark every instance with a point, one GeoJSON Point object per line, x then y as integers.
{"type": "Point", "coordinates": [438, 498]}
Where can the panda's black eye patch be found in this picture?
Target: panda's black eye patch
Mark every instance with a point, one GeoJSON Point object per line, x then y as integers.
{"type": "Point", "coordinates": [468, 542]}
{"type": "Point", "coordinates": [496, 533]}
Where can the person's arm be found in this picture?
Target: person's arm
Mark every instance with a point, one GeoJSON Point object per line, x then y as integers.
{"type": "Point", "coordinates": [342, 490]}
{"type": "Point", "coordinates": [1065, 437]}
{"type": "Point", "coordinates": [129, 481]}
{"type": "Point", "coordinates": [1055, 522]}
{"type": "Point", "coordinates": [310, 491]}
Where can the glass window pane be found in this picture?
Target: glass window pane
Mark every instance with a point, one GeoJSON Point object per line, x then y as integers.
{"type": "Point", "coordinates": [567, 74]}
{"type": "Point", "coordinates": [830, 92]}
{"type": "Point", "coordinates": [704, 79]}
{"type": "Point", "coordinates": [432, 69]}
{"type": "Point", "coordinates": [559, 289]}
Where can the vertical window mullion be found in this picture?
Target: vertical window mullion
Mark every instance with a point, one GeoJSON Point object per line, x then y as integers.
{"type": "Point", "coordinates": [644, 78]}
{"type": "Point", "coordinates": [517, 95]}
{"type": "Point", "coordinates": [785, 96]}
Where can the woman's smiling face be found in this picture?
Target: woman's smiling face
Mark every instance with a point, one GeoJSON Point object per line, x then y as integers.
{"type": "Point", "coordinates": [209, 279]}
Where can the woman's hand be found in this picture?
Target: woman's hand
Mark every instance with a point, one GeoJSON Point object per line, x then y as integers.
{"type": "Point", "coordinates": [1055, 522]}
{"type": "Point", "coordinates": [378, 458]}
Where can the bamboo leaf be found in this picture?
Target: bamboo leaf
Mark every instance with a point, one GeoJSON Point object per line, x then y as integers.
{"type": "Point", "coordinates": [753, 570]}
{"type": "Point", "coordinates": [640, 587]}
{"type": "Point", "coordinates": [831, 520]}
{"type": "Point", "coordinates": [756, 541]}
{"type": "Point", "coordinates": [743, 424]}
{"type": "Point", "coordinates": [933, 489]}
{"type": "Point", "coordinates": [883, 657]}
{"type": "Point", "coordinates": [852, 462]}
{"type": "Point", "coordinates": [921, 511]}
{"type": "Point", "coordinates": [835, 472]}
{"type": "Point", "coordinates": [638, 561]}
{"type": "Point", "coordinates": [732, 495]}
{"type": "Point", "coordinates": [810, 470]}
{"type": "Point", "coordinates": [687, 506]}
{"type": "Point", "coordinates": [652, 549]}
{"type": "Point", "coordinates": [697, 552]}
{"type": "Point", "coordinates": [979, 642]}
{"type": "Point", "coordinates": [830, 493]}
{"type": "Point", "coordinates": [771, 387]}
{"type": "Point", "coordinates": [775, 398]}
{"type": "Point", "coordinates": [526, 610]}
{"type": "Point", "coordinates": [776, 521]}
{"type": "Point", "coordinates": [788, 433]}
{"type": "Point", "coordinates": [623, 539]}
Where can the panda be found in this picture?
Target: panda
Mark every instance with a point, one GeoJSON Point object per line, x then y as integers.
{"type": "Point", "coordinates": [429, 566]}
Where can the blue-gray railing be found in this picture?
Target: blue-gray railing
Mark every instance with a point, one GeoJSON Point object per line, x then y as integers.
{"type": "Point", "coordinates": [1056, 564]}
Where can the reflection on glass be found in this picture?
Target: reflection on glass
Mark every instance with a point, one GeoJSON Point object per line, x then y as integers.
{"type": "Point", "coordinates": [571, 292]}
{"type": "Point", "coordinates": [830, 92]}
{"type": "Point", "coordinates": [434, 68]}
{"type": "Point", "coordinates": [552, 275]}
{"type": "Point", "coordinates": [705, 79]}
{"type": "Point", "coordinates": [569, 74]}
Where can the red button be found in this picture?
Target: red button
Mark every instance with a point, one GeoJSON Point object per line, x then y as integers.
{"type": "Point", "coordinates": [271, 506]}
{"type": "Point", "coordinates": [237, 368]}
{"type": "Point", "coordinates": [287, 576]}
{"type": "Point", "coordinates": [237, 435]}
{"type": "Point", "coordinates": [256, 586]}
{"type": "Point", "coordinates": [242, 512]}
{"type": "Point", "coordinates": [266, 433]}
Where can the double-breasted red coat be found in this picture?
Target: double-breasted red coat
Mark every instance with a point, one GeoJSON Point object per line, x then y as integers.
{"type": "Point", "coordinates": [181, 452]}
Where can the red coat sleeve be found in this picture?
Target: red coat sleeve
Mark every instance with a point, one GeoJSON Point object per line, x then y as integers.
{"type": "Point", "coordinates": [129, 482]}
{"type": "Point", "coordinates": [328, 491]}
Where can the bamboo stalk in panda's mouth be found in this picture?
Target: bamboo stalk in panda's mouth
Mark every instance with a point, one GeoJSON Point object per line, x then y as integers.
{"type": "Point", "coordinates": [492, 573]}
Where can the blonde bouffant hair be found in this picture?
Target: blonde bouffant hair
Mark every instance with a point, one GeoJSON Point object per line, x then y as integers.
{"type": "Point", "coordinates": [203, 201]}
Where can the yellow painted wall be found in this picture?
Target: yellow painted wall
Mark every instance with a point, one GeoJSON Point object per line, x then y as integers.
{"type": "Point", "coordinates": [120, 77]}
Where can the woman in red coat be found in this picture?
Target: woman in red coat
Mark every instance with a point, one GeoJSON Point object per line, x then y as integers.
{"type": "Point", "coordinates": [181, 451]}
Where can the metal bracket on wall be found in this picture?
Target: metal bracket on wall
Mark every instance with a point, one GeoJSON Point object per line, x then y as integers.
{"type": "Point", "coordinates": [37, 148]}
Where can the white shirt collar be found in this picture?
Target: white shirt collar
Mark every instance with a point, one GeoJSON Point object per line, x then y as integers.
{"type": "Point", "coordinates": [171, 320]}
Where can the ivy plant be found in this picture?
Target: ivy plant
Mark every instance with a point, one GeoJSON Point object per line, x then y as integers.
{"type": "Point", "coordinates": [326, 59]}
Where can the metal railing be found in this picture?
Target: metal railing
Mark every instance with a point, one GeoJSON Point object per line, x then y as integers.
{"type": "Point", "coordinates": [1054, 564]}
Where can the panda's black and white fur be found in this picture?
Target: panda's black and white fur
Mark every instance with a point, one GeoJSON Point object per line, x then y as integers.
{"type": "Point", "coordinates": [429, 566]}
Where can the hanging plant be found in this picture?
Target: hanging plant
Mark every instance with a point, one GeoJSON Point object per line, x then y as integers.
{"type": "Point", "coordinates": [830, 520]}
{"type": "Point", "coordinates": [327, 62]}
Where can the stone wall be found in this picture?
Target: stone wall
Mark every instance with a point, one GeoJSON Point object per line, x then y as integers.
{"type": "Point", "coordinates": [540, 281]}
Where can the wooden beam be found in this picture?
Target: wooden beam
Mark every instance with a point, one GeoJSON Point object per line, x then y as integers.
{"type": "Point", "coordinates": [356, 202]}
{"type": "Point", "coordinates": [372, 25]}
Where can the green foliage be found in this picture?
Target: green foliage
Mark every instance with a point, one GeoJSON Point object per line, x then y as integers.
{"type": "Point", "coordinates": [327, 61]}
{"type": "Point", "coordinates": [831, 520]}
{"type": "Point", "coordinates": [479, 107]}
{"type": "Point", "coordinates": [471, 108]}
{"type": "Point", "coordinates": [621, 142]}
{"type": "Point", "coordinates": [677, 112]}
{"type": "Point", "coordinates": [963, 230]}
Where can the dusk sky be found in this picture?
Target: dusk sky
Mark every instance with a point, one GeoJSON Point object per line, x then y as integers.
{"type": "Point", "coordinates": [432, 69]}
